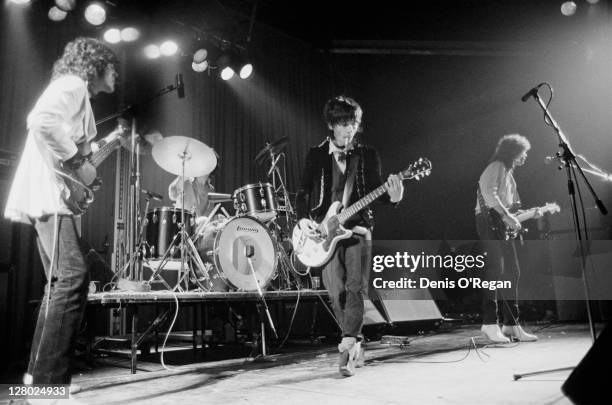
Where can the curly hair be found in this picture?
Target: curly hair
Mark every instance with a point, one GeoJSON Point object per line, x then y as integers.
{"type": "Point", "coordinates": [87, 58]}
{"type": "Point", "coordinates": [509, 148]}
{"type": "Point", "coordinates": [342, 110]}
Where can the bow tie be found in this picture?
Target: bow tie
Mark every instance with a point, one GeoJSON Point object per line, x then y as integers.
{"type": "Point", "coordinates": [341, 156]}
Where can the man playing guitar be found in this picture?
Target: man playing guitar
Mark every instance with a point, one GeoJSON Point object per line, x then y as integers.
{"type": "Point", "coordinates": [60, 128]}
{"type": "Point", "coordinates": [342, 169]}
{"type": "Point", "coordinates": [496, 193]}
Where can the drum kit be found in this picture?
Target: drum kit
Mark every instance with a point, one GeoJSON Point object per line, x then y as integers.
{"type": "Point", "coordinates": [220, 252]}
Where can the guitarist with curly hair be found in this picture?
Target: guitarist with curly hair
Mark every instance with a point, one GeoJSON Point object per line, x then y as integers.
{"type": "Point", "coordinates": [341, 169]}
{"type": "Point", "coordinates": [60, 128]}
{"type": "Point", "coordinates": [495, 220]}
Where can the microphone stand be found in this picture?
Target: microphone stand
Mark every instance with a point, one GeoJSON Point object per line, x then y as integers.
{"type": "Point", "coordinates": [569, 161]}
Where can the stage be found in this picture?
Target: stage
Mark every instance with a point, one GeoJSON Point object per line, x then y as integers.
{"type": "Point", "coordinates": [453, 365]}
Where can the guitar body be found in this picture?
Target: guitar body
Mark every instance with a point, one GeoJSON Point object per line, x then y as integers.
{"type": "Point", "coordinates": [498, 226]}
{"type": "Point", "coordinates": [76, 197]}
{"type": "Point", "coordinates": [315, 251]}
{"type": "Point", "coordinates": [502, 231]}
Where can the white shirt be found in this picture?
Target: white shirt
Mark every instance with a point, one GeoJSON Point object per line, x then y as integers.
{"type": "Point", "coordinates": [61, 119]}
{"type": "Point", "coordinates": [497, 186]}
{"type": "Point", "coordinates": [336, 151]}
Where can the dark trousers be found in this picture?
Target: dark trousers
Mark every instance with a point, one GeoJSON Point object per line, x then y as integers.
{"type": "Point", "coordinates": [58, 323]}
{"type": "Point", "coordinates": [346, 277]}
{"type": "Point", "coordinates": [501, 263]}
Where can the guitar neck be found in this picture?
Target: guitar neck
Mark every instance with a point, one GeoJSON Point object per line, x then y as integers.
{"type": "Point", "coordinates": [361, 204]}
{"type": "Point", "coordinates": [105, 150]}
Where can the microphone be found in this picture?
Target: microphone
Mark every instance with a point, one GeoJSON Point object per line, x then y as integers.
{"type": "Point", "coordinates": [549, 159]}
{"type": "Point", "coordinates": [531, 93]}
{"type": "Point", "coordinates": [180, 86]}
{"type": "Point", "coordinates": [249, 250]}
{"type": "Point", "coordinates": [152, 195]}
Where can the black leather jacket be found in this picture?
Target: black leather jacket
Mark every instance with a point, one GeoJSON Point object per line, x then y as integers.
{"type": "Point", "coordinates": [314, 196]}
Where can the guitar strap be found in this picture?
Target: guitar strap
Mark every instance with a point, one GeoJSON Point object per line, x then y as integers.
{"type": "Point", "coordinates": [350, 179]}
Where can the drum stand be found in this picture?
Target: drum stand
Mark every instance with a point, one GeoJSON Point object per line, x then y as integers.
{"type": "Point", "coordinates": [186, 245]}
{"type": "Point", "coordinates": [249, 251]}
{"type": "Point", "coordinates": [286, 267]}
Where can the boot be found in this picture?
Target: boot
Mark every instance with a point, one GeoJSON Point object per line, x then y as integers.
{"type": "Point", "coordinates": [494, 334]}
{"type": "Point", "coordinates": [518, 333]}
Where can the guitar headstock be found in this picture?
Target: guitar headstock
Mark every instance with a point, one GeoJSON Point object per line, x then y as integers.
{"type": "Point", "coordinates": [417, 170]}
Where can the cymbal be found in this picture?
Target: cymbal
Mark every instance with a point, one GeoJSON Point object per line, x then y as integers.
{"type": "Point", "coordinates": [170, 153]}
{"type": "Point", "coordinates": [272, 148]}
{"type": "Point", "coordinates": [145, 142]}
{"type": "Point", "coordinates": [219, 197]}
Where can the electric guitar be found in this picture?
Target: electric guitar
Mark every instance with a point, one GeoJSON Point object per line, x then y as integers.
{"type": "Point", "coordinates": [504, 232]}
{"type": "Point", "coordinates": [315, 247]}
{"type": "Point", "coordinates": [77, 195]}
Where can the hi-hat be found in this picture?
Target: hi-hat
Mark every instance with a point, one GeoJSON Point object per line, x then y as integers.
{"type": "Point", "coordinates": [170, 153]}
{"type": "Point", "coordinates": [272, 148]}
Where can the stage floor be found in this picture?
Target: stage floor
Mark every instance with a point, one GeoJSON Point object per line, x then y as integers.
{"type": "Point", "coordinates": [439, 368]}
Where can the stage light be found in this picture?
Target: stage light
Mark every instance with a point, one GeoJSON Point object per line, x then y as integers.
{"type": "Point", "coordinates": [130, 34]}
{"type": "Point", "coordinates": [593, 1]}
{"type": "Point", "coordinates": [227, 73]}
{"type": "Point", "coordinates": [65, 5]}
{"type": "Point", "coordinates": [200, 55]}
{"type": "Point", "coordinates": [199, 67]}
{"type": "Point", "coordinates": [246, 70]}
{"type": "Point", "coordinates": [20, 1]}
{"type": "Point", "coordinates": [568, 8]}
{"type": "Point", "coordinates": [55, 14]}
{"type": "Point", "coordinates": [168, 48]}
{"type": "Point", "coordinates": [152, 51]}
{"type": "Point", "coordinates": [95, 14]}
{"type": "Point", "coordinates": [112, 36]}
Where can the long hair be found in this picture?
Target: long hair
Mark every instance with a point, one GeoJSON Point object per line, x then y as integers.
{"type": "Point", "coordinates": [342, 110]}
{"type": "Point", "coordinates": [86, 58]}
{"type": "Point", "coordinates": [509, 148]}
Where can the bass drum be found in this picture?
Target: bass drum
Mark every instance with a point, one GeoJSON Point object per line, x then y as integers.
{"type": "Point", "coordinates": [227, 244]}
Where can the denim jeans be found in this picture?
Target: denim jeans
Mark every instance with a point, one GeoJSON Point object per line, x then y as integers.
{"type": "Point", "coordinates": [58, 325]}
{"type": "Point", "coordinates": [346, 277]}
{"type": "Point", "coordinates": [501, 264]}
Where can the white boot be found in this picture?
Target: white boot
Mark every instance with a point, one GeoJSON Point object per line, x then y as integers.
{"type": "Point", "coordinates": [518, 333]}
{"type": "Point", "coordinates": [494, 334]}
{"type": "Point", "coordinates": [348, 354]}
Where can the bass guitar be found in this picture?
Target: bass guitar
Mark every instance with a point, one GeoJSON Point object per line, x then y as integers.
{"type": "Point", "coordinates": [77, 195]}
{"type": "Point", "coordinates": [503, 232]}
{"type": "Point", "coordinates": [314, 243]}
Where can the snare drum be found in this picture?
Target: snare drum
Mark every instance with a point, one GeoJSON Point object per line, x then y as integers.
{"type": "Point", "coordinates": [256, 200]}
{"type": "Point", "coordinates": [226, 244]}
{"type": "Point", "coordinates": [162, 224]}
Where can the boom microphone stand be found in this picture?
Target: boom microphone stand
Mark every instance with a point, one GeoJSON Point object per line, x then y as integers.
{"type": "Point", "coordinates": [568, 158]}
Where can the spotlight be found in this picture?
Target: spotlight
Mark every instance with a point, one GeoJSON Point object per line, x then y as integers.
{"type": "Point", "coordinates": [593, 1]}
{"type": "Point", "coordinates": [112, 36]}
{"type": "Point", "coordinates": [200, 55]}
{"type": "Point", "coordinates": [199, 67]}
{"type": "Point", "coordinates": [55, 14]}
{"type": "Point", "coordinates": [65, 5]}
{"type": "Point", "coordinates": [152, 51]}
{"type": "Point", "coordinates": [227, 73]}
{"type": "Point", "coordinates": [130, 34]}
{"type": "Point", "coordinates": [95, 14]}
{"type": "Point", "coordinates": [246, 70]}
{"type": "Point", "coordinates": [568, 8]}
{"type": "Point", "coordinates": [168, 48]}
{"type": "Point", "coordinates": [20, 1]}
